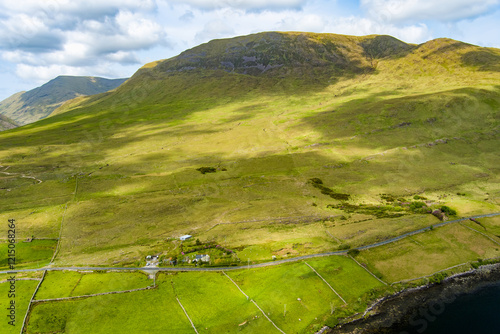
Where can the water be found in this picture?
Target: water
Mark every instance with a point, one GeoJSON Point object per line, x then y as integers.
{"type": "Point", "coordinates": [477, 313]}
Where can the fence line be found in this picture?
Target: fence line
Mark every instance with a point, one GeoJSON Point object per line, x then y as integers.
{"type": "Point", "coordinates": [430, 275]}
{"type": "Point", "coordinates": [31, 302]}
{"type": "Point", "coordinates": [265, 315]}
{"type": "Point", "coordinates": [367, 270]}
{"type": "Point", "coordinates": [326, 282]}
{"type": "Point", "coordinates": [277, 219]}
{"type": "Point", "coordinates": [235, 284]}
{"type": "Point", "coordinates": [60, 235]}
{"type": "Point", "coordinates": [487, 236]}
{"type": "Point", "coordinates": [187, 315]}
{"type": "Point", "coordinates": [92, 295]}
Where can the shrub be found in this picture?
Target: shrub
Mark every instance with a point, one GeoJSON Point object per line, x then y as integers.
{"type": "Point", "coordinates": [353, 252]}
{"type": "Point", "coordinates": [388, 197]}
{"type": "Point", "coordinates": [317, 183]}
{"type": "Point", "coordinates": [344, 246]}
{"type": "Point", "coordinates": [315, 180]}
{"type": "Point", "coordinates": [449, 211]}
{"type": "Point", "coordinates": [417, 197]}
{"type": "Point", "coordinates": [417, 206]}
{"type": "Point", "coordinates": [204, 170]}
{"type": "Point", "coordinates": [439, 214]}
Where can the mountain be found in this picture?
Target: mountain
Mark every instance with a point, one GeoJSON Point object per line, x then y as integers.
{"type": "Point", "coordinates": [6, 123]}
{"type": "Point", "coordinates": [258, 127]}
{"type": "Point", "coordinates": [38, 103]}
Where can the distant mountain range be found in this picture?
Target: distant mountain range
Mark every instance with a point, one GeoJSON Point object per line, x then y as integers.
{"type": "Point", "coordinates": [28, 107]}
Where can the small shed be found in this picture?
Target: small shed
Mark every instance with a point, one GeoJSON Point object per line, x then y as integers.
{"type": "Point", "coordinates": [185, 237]}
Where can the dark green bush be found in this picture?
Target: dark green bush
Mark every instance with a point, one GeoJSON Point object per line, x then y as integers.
{"type": "Point", "coordinates": [204, 170]}
{"type": "Point", "coordinates": [417, 206]}
{"type": "Point", "coordinates": [353, 252]}
{"type": "Point", "coordinates": [315, 180]}
{"type": "Point", "coordinates": [449, 211]}
{"type": "Point", "coordinates": [317, 183]}
{"type": "Point", "coordinates": [344, 246]}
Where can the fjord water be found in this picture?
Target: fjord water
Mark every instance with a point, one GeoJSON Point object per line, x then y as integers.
{"type": "Point", "coordinates": [476, 313]}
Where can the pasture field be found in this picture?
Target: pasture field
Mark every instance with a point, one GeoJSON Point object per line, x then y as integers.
{"type": "Point", "coordinates": [59, 284]}
{"type": "Point", "coordinates": [35, 221]}
{"type": "Point", "coordinates": [489, 226]}
{"type": "Point", "coordinates": [34, 254]}
{"type": "Point", "coordinates": [428, 252]}
{"type": "Point", "coordinates": [23, 291]}
{"type": "Point", "coordinates": [150, 311]}
{"type": "Point", "coordinates": [216, 305]}
{"type": "Point", "coordinates": [307, 298]}
{"type": "Point", "coordinates": [212, 301]}
{"type": "Point", "coordinates": [345, 276]}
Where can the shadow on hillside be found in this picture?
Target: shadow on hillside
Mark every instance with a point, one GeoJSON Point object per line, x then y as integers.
{"type": "Point", "coordinates": [157, 99]}
{"type": "Point", "coordinates": [445, 48]}
{"type": "Point", "coordinates": [483, 60]}
{"type": "Point", "coordinates": [430, 116]}
{"type": "Point", "coordinates": [386, 46]}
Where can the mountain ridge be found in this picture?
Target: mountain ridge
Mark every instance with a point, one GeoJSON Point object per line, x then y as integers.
{"type": "Point", "coordinates": [29, 106]}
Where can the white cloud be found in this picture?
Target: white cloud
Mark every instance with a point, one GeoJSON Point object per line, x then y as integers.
{"type": "Point", "coordinates": [214, 29]}
{"type": "Point", "coordinates": [308, 22]}
{"type": "Point", "coordinates": [364, 26]}
{"type": "Point", "coordinates": [45, 36]}
{"type": "Point", "coordinates": [415, 10]}
{"type": "Point", "coordinates": [244, 4]}
{"type": "Point", "coordinates": [81, 8]}
{"type": "Point", "coordinates": [45, 73]}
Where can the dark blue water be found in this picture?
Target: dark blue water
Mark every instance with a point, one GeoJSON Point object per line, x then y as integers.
{"type": "Point", "coordinates": [477, 313]}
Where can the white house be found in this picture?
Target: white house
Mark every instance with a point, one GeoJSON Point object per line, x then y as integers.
{"type": "Point", "coordinates": [185, 237]}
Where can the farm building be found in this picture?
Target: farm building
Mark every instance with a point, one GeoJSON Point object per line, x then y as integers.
{"type": "Point", "coordinates": [185, 237]}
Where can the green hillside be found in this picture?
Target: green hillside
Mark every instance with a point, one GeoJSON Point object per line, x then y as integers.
{"type": "Point", "coordinates": [6, 123]}
{"type": "Point", "coordinates": [38, 103]}
{"type": "Point", "coordinates": [277, 144]}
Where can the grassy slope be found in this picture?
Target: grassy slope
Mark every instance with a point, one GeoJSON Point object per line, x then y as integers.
{"type": "Point", "coordinates": [34, 254]}
{"type": "Point", "coordinates": [125, 162]}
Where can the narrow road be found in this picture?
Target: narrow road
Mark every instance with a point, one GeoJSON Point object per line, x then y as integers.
{"type": "Point", "coordinates": [259, 265]}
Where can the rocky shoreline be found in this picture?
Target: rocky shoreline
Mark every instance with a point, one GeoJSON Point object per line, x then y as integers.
{"type": "Point", "coordinates": [416, 307]}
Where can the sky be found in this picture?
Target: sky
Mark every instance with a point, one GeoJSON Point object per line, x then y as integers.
{"type": "Point", "coordinates": [41, 39]}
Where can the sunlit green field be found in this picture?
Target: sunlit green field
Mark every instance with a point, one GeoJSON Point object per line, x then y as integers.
{"type": "Point", "coordinates": [429, 252]}
{"type": "Point", "coordinates": [34, 254]}
{"type": "Point", "coordinates": [213, 302]}
{"type": "Point", "coordinates": [23, 292]}
{"type": "Point", "coordinates": [137, 312]}
{"type": "Point", "coordinates": [58, 284]}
